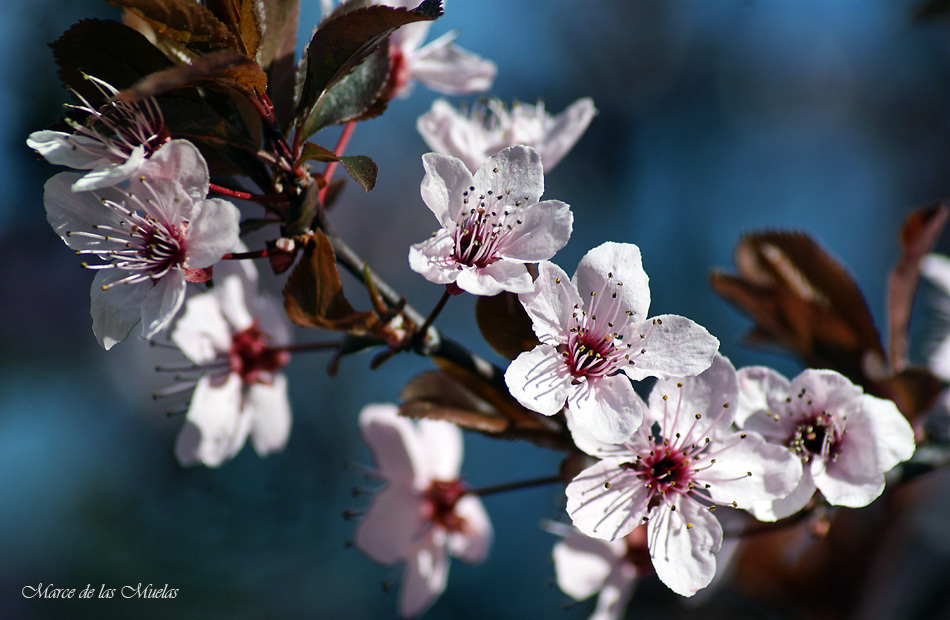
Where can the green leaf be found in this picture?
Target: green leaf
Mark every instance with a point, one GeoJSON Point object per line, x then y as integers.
{"type": "Point", "coordinates": [315, 152]}
{"type": "Point", "coordinates": [183, 20]}
{"type": "Point", "coordinates": [341, 43]}
{"type": "Point", "coordinates": [276, 55]}
{"type": "Point", "coordinates": [353, 96]}
{"type": "Point", "coordinates": [302, 210]}
{"type": "Point", "coordinates": [107, 50]}
{"type": "Point", "coordinates": [362, 169]}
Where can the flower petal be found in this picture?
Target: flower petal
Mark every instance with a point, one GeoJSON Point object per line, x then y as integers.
{"type": "Point", "coordinates": [202, 333]}
{"type": "Point", "coordinates": [68, 212]}
{"type": "Point", "coordinates": [582, 564]}
{"type": "Point", "coordinates": [392, 523]}
{"type": "Point", "coordinates": [787, 506]}
{"type": "Point", "coordinates": [269, 409]}
{"type": "Point", "coordinates": [442, 187]}
{"type": "Point", "coordinates": [672, 346]}
{"type": "Point", "coordinates": [539, 379]}
{"type": "Point", "coordinates": [471, 545]}
{"type": "Point", "coordinates": [447, 68]}
{"type": "Point", "coordinates": [116, 310]}
{"type": "Point", "coordinates": [215, 430]}
{"type": "Point", "coordinates": [502, 275]}
{"type": "Point", "coordinates": [775, 473]}
{"type": "Point", "coordinates": [683, 543]}
{"type": "Point", "coordinates": [607, 407]}
{"type": "Point", "coordinates": [212, 232]}
{"type": "Point", "coordinates": [677, 403]}
{"type": "Point", "coordinates": [162, 303]}
{"type": "Point", "coordinates": [393, 442]}
{"type": "Point", "coordinates": [108, 174]}
{"type": "Point", "coordinates": [424, 576]}
{"type": "Point", "coordinates": [622, 261]}
{"type": "Point", "coordinates": [66, 149]}
{"type": "Point", "coordinates": [604, 505]}
{"type": "Point", "coordinates": [563, 132]}
{"type": "Point", "coordinates": [516, 169]}
{"type": "Point", "coordinates": [446, 131]}
{"type": "Point", "coordinates": [182, 162]}
{"type": "Point", "coordinates": [757, 385]}
{"type": "Point", "coordinates": [545, 228]}
{"type": "Point", "coordinates": [433, 260]}
{"type": "Point", "coordinates": [551, 303]}
{"type": "Point", "coordinates": [443, 457]}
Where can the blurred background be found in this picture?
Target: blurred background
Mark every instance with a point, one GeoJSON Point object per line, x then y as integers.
{"type": "Point", "coordinates": [717, 117]}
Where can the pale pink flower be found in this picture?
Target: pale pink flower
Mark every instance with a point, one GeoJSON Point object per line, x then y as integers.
{"type": "Point", "coordinates": [233, 335]}
{"type": "Point", "coordinates": [845, 439]}
{"type": "Point", "coordinates": [489, 127]}
{"type": "Point", "coordinates": [440, 65]}
{"type": "Point", "coordinates": [151, 239]}
{"type": "Point", "coordinates": [595, 338]}
{"type": "Point", "coordinates": [683, 461]}
{"type": "Point", "coordinates": [423, 514]}
{"type": "Point", "coordinates": [492, 222]}
{"type": "Point", "coordinates": [113, 142]}
{"type": "Point", "coordinates": [586, 566]}
{"type": "Point", "coordinates": [936, 268]}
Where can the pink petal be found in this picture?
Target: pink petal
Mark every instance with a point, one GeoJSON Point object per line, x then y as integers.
{"type": "Point", "coordinates": [391, 525]}
{"type": "Point", "coordinates": [162, 302]}
{"type": "Point", "coordinates": [202, 333]}
{"type": "Point", "coordinates": [432, 258]}
{"type": "Point", "coordinates": [563, 132]}
{"type": "Point", "coordinates": [393, 442]}
{"type": "Point", "coordinates": [551, 303]}
{"type": "Point", "coordinates": [212, 232]}
{"type": "Point", "coordinates": [516, 169]}
{"type": "Point", "coordinates": [623, 261]}
{"type": "Point", "coordinates": [215, 430]}
{"type": "Point", "coordinates": [442, 458]}
{"type": "Point", "coordinates": [502, 275]}
{"type": "Point", "coordinates": [582, 564]}
{"type": "Point", "coordinates": [539, 379]}
{"type": "Point", "coordinates": [442, 187]}
{"type": "Point", "coordinates": [115, 311]}
{"type": "Point", "coordinates": [447, 68]}
{"type": "Point", "coordinates": [672, 346]}
{"type": "Point", "coordinates": [607, 407]}
{"type": "Point", "coordinates": [68, 211]}
{"type": "Point", "coordinates": [424, 576]}
{"type": "Point", "coordinates": [269, 409]}
{"type": "Point", "coordinates": [757, 385]}
{"type": "Point", "coordinates": [471, 545]}
{"type": "Point", "coordinates": [545, 229]}
{"type": "Point", "coordinates": [684, 557]}
{"type": "Point", "coordinates": [605, 511]}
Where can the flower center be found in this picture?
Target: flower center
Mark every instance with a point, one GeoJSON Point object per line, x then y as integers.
{"type": "Point", "coordinates": [482, 232]}
{"type": "Point", "coordinates": [815, 435]}
{"type": "Point", "coordinates": [251, 357]}
{"type": "Point", "coordinates": [666, 470]}
{"type": "Point", "coordinates": [438, 504]}
{"type": "Point", "coordinates": [595, 346]}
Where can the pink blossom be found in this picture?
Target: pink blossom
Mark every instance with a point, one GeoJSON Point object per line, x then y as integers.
{"type": "Point", "coordinates": [113, 142]}
{"type": "Point", "coordinates": [492, 222]}
{"type": "Point", "coordinates": [423, 514]}
{"type": "Point", "coordinates": [233, 336]}
{"type": "Point", "coordinates": [845, 439]}
{"type": "Point", "coordinates": [488, 128]}
{"type": "Point", "coordinates": [148, 240]}
{"type": "Point", "coordinates": [670, 474]}
{"type": "Point", "coordinates": [595, 337]}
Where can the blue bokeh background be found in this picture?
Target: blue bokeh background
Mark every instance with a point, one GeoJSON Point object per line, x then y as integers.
{"type": "Point", "coordinates": [716, 118]}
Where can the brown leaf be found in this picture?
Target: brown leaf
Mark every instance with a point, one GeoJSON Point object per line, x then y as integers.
{"type": "Point", "coordinates": [276, 55]}
{"type": "Point", "coordinates": [241, 19]}
{"type": "Point", "coordinates": [914, 391]}
{"type": "Point", "coordinates": [437, 396]}
{"type": "Point", "coordinates": [183, 20]}
{"type": "Point", "coordinates": [804, 300]}
{"type": "Point", "coordinates": [225, 68]}
{"type": "Point", "coordinates": [505, 325]}
{"type": "Point", "coordinates": [918, 236]}
{"type": "Point", "coordinates": [313, 295]}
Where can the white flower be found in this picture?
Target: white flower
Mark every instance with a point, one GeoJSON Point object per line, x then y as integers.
{"type": "Point", "coordinates": [440, 65]}
{"type": "Point", "coordinates": [585, 566]}
{"type": "Point", "coordinates": [492, 223]}
{"type": "Point", "coordinates": [233, 336]}
{"type": "Point", "coordinates": [846, 439]}
{"type": "Point", "coordinates": [595, 338]}
{"type": "Point", "coordinates": [673, 470]}
{"type": "Point", "coordinates": [113, 142]}
{"type": "Point", "coordinates": [151, 239]}
{"type": "Point", "coordinates": [423, 514]}
{"type": "Point", "coordinates": [489, 128]}
{"type": "Point", "coordinates": [936, 268]}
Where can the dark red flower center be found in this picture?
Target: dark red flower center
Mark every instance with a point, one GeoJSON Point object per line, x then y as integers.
{"type": "Point", "coordinates": [438, 505]}
{"type": "Point", "coordinates": [252, 357]}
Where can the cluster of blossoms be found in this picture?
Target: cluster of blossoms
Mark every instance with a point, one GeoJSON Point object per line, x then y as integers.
{"type": "Point", "coordinates": [656, 467]}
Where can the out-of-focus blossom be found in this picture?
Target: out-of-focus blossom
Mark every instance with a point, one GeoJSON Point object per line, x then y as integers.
{"type": "Point", "coordinates": [683, 460]}
{"type": "Point", "coordinates": [112, 143]}
{"type": "Point", "coordinates": [423, 514]}
{"type": "Point", "coordinates": [489, 127]}
{"type": "Point", "coordinates": [149, 240]}
{"type": "Point", "coordinates": [845, 439]}
{"type": "Point", "coordinates": [595, 337]}
{"type": "Point", "coordinates": [234, 336]}
{"type": "Point", "coordinates": [936, 268]}
{"type": "Point", "coordinates": [492, 223]}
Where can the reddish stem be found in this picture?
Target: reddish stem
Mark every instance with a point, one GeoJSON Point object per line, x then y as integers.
{"type": "Point", "coordinates": [233, 193]}
{"type": "Point", "coordinates": [246, 255]}
{"type": "Point", "coordinates": [340, 147]}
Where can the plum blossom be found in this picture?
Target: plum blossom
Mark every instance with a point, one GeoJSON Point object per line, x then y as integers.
{"type": "Point", "coordinates": [113, 143]}
{"type": "Point", "coordinates": [936, 268]}
{"type": "Point", "coordinates": [492, 222]}
{"type": "Point", "coordinates": [424, 513]}
{"type": "Point", "coordinates": [234, 335]}
{"type": "Point", "coordinates": [845, 439]}
{"type": "Point", "coordinates": [671, 473]}
{"type": "Point", "coordinates": [440, 65]}
{"type": "Point", "coordinates": [595, 337]}
{"type": "Point", "coordinates": [150, 239]}
{"type": "Point", "coordinates": [586, 566]}
{"type": "Point", "coordinates": [489, 127]}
